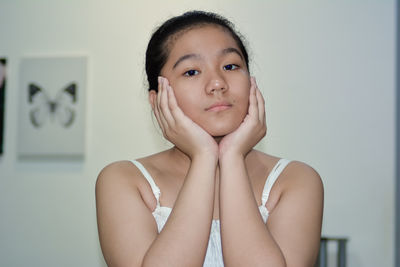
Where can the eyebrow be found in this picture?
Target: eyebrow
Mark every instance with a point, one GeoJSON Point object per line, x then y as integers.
{"type": "Point", "coordinates": [232, 50]}
{"type": "Point", "coordinates": [197, 56]}
{"type": "Point", "coordinates": [185, 57]}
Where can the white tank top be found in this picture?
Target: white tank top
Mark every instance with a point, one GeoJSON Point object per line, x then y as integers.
{"type": "Point", "coordinates": [214, 256]}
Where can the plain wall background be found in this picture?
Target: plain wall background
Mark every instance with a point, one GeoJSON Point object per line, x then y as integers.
{"type": "Point", "coordinates": [327, 71]}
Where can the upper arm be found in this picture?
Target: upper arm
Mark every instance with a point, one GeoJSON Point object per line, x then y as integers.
{"type": "Point", "coordinates": [125, 223]}
{"type": "Point", "coordinates": [295, 223]}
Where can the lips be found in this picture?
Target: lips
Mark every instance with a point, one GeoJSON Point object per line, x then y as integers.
{"type": "Point", "coordinates": [219, 106]}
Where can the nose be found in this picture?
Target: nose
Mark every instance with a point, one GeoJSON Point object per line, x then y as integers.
{"type": "Point", "coordinates": [217, 84]}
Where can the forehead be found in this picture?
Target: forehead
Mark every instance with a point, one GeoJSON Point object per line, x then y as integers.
{"type": "Point", "coordinates": [202, 40]}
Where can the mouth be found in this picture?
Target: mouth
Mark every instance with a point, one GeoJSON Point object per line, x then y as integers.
{"type": "Point", "coordinates": [219, 106]}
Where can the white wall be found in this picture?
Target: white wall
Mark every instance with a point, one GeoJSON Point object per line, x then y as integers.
{"type": "Point", "coordinates": [326, 69]}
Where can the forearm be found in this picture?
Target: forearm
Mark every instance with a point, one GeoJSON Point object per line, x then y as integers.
{"type": "Point", "coordinates": [246, 240]}
{"type": "Point", "coordinates": [184, 238]}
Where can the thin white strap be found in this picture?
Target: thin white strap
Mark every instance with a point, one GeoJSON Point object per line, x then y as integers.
{"type": "Point", "coordinates": [272, 177]}
{"type": "Point", "coordinates": [146, 174]}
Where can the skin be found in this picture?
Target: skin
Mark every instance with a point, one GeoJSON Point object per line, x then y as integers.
{"type": "Point", "coordinates": [210, 108]}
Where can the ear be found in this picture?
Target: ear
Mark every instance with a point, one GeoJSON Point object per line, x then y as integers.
{"type": "Point", "coordinates": [152, 98]}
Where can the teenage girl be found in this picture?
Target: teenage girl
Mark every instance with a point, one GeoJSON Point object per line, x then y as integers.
{"type": "Point", "coordinates": [210, 200]}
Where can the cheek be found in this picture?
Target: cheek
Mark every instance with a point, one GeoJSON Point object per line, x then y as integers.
{"type": "Point", "coordinates": [242, 96]}
{"type": "Point", "coordinates": [187, 103]}
{"type": "Point", "coordinates": [241, 83]}
{"type": "Point", "coordinates": [187, 96]}
{"type": "Point", "coordinates": [244, 107]}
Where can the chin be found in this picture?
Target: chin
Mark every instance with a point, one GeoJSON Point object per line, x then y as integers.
{"type": "Point", "coordinates": [222, 130]}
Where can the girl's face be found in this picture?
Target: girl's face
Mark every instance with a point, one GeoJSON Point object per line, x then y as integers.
{"type": "Point", "coordinates": [210, 79]}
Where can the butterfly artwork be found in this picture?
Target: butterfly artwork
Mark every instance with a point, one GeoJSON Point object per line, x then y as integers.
{"type": "Point", "coordinates": [52, 108]}
{"type": "Point", "coordinates": [59, 110]}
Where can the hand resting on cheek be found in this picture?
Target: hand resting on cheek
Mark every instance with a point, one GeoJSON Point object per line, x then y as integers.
{"type": "Point", "coordinates": [251, 130]}
{"type": "Point", "coordinates": [178, 128]}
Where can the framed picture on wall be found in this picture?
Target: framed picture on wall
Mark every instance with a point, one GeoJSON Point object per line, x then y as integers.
{"type": "Point", "coordinates": [3, 63]}
{"type": "Point", "coordinates": [52, 107]}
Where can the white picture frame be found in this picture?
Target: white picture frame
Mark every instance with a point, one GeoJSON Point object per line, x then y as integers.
{"type": "Point", "coordinates": [52, 108]}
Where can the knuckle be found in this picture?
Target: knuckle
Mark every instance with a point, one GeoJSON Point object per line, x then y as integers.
{"type": "Point", "coordinates": [173, 108]}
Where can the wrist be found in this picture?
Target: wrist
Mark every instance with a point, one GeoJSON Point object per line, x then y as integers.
{"type": "Point", "coordinates": [206, 157]}
{"type": "Point", "coordinates": [230, 156]}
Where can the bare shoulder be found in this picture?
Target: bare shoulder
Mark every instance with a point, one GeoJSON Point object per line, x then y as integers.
{"type": "Point", "coordinates": [300, 186]}
{"type": "Point", "coordinates": [124, 202]}
{"type": "Point", "coordinates": [295, 206]}
{"type": "Point", "coordinates": [300, 175]}
{"type": "Point", "coordinates": [123, 177]}
{"type": "Point", "coordinates": [118, 173]}
{"type": "Point", "coordinates": [296, 172]}
{"type": "Point", "coordinates": [297, 179]}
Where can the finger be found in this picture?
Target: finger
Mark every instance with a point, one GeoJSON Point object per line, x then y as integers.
{"type": "Point", "coordinates": [155, 105]}
{"type": "Point", "coordinates": [159, 87]}
{"type": "Point", "coordinates": [253, 107]}
{"type": "Point", "coordinates": [261, 104]}
{"type": "Point", "coordinates": [166, 111]}
{"type": "Point", "coordinates": [163, 121]}
{"type": "Point", "coordinates": [159, 92]}
{"type": "Point", "coordinates": [157, 115]}
{"type": "Point", "coordinates": [175, 110]}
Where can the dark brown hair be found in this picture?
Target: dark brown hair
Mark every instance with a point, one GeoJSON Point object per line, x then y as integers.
{"type": "Point", "coordinates": [159, 45]}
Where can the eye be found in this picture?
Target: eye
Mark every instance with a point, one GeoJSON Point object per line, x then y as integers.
{"type": "Point", "coordinates": [191, 73]}
{"type": "Point", "coordinates": [231, 67]}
